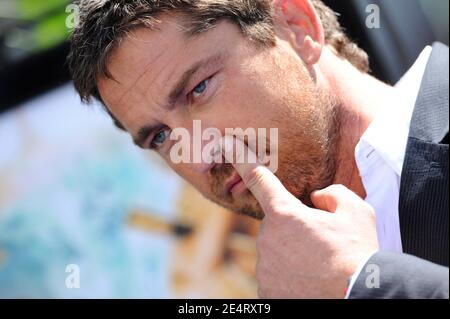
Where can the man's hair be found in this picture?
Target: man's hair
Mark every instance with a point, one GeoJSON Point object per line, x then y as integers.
{"type": "Point", "coordinates": [103, 23]}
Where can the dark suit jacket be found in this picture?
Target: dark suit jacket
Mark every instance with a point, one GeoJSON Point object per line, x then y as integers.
{"type": "Point", "coordinates": [422, 271]}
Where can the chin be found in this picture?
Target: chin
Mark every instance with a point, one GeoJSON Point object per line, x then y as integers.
{"type": "Point", "coordinates": [250, 208]}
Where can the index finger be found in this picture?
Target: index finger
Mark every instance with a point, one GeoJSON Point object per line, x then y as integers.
{"type": "Point", "coordinates": [263, 184]}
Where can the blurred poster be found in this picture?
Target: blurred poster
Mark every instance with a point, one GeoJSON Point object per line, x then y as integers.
{"type": "Point", "coordinates": [85, 214]}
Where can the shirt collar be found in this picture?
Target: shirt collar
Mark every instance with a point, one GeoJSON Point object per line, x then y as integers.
{"type": "Point", "coordinates": [387, 135]}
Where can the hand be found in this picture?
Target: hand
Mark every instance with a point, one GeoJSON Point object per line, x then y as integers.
{"type": "Point", "coordinates": [305, 252]}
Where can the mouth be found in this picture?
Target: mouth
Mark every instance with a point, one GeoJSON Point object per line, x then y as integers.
{"type": "Point", "coordinates": [235, 185]}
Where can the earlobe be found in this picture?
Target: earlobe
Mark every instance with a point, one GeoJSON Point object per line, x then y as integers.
{"type": "Point", "coordinates": [302, 21]}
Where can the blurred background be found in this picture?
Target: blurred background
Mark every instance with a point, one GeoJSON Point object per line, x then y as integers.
{"type": "Point", "coordinates": [74, 191]}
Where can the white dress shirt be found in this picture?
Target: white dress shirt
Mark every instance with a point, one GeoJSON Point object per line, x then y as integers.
{"type": "Point", "coordinates": [380, 155]}
{"type": "Point", "coordinates": [381, 152]}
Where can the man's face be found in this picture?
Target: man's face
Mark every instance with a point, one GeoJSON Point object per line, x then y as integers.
{"type": "Point", "coordinates": [165, 80]}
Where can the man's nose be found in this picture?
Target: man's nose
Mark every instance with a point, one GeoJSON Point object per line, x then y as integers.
{"type": "Point", "coordinates": [203, 154]}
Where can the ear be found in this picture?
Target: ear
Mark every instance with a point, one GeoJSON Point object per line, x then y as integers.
{"type": "Point", "coordinates": [298, 23]}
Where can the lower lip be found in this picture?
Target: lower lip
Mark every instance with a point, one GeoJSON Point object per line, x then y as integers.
{"type": "Point", "coordinates": [239, 188]}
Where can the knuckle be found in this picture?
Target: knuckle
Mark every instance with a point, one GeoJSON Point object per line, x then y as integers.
{"type": "Point", "coordinates": [254, 178]}
{"type": "Point", "coordinates": [282, 207]}
{"type": "Point", "coordinates": [282, 204]}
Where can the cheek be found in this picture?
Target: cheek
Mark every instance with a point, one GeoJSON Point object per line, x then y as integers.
{"type": "Point", "coordinates": [243, 104]}
{"type": "Point", "coordinates": [193, 177]}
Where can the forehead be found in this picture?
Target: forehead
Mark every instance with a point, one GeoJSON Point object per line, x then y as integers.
{"type": "Point", "coordinates": [146, 63]}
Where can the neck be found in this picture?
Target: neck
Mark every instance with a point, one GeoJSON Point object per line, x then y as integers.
{"type": "Point", "coordinates": [361, 96]}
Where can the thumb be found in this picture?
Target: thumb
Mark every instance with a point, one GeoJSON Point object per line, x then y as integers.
{"type": "Point", "coordinates": [336, 197]}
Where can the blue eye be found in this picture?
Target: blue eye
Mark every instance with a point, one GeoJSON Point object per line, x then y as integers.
{"type": "Point", "coordinates": [199, 89]}
{"type": "Point", "coordinates": [160, 138]}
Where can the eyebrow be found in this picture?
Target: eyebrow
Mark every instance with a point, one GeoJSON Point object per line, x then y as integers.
{"type": "Point", "coordinates": [180, 86]}
{"type": "Point", "coordinates": [177, 90]}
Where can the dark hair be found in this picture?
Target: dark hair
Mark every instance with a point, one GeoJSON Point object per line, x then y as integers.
{"type": "Point", "coordinates": [102, 23]}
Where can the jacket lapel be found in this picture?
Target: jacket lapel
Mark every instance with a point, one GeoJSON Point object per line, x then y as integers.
{"type": "Point", "coordinates": [424, 206]}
